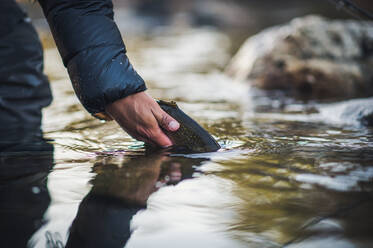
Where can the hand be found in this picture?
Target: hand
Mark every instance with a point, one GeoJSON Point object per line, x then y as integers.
{"type": "Point", "coordinates": [142, 118]}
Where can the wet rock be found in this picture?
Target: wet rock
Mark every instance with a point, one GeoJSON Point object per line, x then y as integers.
{"type": "Point", "coordinates": [310, 56]}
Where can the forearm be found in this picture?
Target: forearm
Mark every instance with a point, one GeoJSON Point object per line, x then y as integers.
{"type": "Point", "coordinates": [103, 79]}
{"type": "Point", "coordinates": [92, 50]}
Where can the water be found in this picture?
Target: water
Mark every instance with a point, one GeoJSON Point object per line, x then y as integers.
{"type": "Point", "coordinates": [285, 176]}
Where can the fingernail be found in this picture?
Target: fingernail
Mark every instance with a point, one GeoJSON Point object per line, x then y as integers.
{"type": "Point", "coordinates": [173, 125]}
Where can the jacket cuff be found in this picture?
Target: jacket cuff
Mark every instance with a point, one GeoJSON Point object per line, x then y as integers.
{"type": "Point", "coordinates": [103, 75]}
{"type": "Point", "coordinates": [93, 51]}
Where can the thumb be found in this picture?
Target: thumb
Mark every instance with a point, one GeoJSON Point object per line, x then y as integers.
{"type": "Point", "coordinates": [166, 121]}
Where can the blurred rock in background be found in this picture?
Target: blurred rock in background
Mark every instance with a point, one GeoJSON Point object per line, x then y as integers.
{"type": "Point", "coordinates": [312, 57]}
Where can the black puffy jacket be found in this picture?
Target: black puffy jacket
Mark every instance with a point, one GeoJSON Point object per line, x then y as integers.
{"type": "Point", "coordinates": [93, 52]}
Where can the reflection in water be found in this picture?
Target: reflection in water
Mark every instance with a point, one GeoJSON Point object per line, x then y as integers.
{"type": "Point", "coordinates": [119, 191]}
{"type": "Point", "coordinates": [24, 195]}
{"type": "Point", "coordinates": [293, 197]}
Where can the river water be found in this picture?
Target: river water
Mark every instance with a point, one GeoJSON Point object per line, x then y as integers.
{"type": "Point", "coordinates": [285, 176]}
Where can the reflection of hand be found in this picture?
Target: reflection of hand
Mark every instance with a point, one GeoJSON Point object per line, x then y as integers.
{"type": "Point", "coordinates": [133, 182]}
{"type": "Point", "coordinates": [141, 117]}
{"type": "Point", "coordinates": [175, 173]}
{"type": "Point", "coordinates": [172, 176]}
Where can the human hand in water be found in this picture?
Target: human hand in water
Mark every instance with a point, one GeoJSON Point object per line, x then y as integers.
{"type": "Point", "coordinates": [142, 118]}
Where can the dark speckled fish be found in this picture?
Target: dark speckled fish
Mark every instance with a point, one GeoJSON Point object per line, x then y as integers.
{"type": "Point", "coordinates": [190, 137]}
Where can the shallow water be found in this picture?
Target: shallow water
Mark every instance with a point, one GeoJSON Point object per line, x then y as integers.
{"type": "Point", "coordinates": [284, 177]}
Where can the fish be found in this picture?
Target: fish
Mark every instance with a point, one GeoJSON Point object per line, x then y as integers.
{"type": "Point", "coordinates": [190, 137]}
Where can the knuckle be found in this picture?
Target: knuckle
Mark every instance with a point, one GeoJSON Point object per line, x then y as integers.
{"type": "Point", "coordinates": [166, 119]}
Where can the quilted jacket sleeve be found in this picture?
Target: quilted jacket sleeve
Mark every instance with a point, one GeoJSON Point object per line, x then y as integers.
{"type": "Point", "coordinates": [93, 52]}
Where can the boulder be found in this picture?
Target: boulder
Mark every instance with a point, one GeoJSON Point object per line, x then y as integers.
{"type": "Point", "coordinates": [310, 56]}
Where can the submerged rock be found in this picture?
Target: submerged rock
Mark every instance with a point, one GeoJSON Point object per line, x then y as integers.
{"type": "Point", "coordinates": [310, 56]}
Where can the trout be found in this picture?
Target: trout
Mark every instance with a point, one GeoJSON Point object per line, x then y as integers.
{"type": "Point", "coordinates": [190, 137]}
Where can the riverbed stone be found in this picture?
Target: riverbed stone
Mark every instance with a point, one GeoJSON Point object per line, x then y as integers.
{"type": "Point", "coordinates": [310, 56]}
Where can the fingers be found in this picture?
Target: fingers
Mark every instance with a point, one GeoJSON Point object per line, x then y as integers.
{"type": "Point", "coordinates": [143, 119]}
{"type": "Point", "coordinates": [161, 139]}
{"type": "Point", "coordinates": [153, 136]}
{"type": "Point", "coordinates": [166, 121]}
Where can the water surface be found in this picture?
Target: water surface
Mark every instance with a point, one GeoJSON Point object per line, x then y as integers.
{"type": "Point", "coordinates": [283, 177]}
